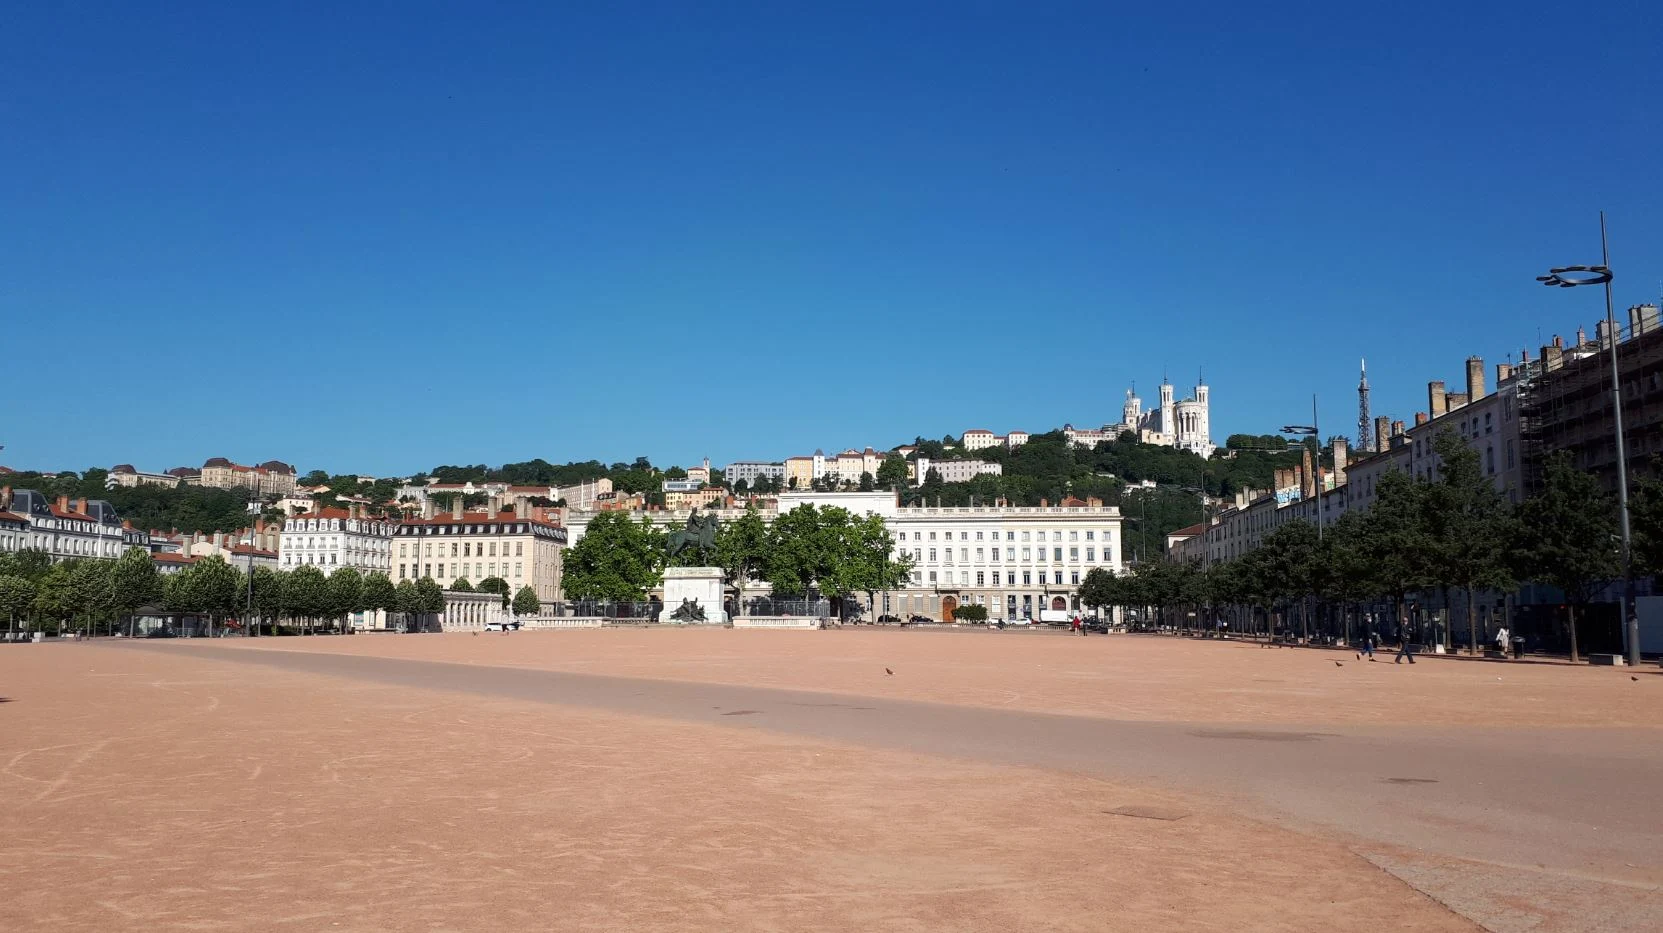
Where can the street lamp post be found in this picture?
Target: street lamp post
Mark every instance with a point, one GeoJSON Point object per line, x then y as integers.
{"type": "Point", "coordinates": [1314, 431]}
{"type": "Point", "coordinates": [1570, 277]}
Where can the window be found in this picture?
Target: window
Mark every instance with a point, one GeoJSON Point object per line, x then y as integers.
{"type": "Point", "coordinates": [964, 536]}
{"type": "Point", "coordinates": [1024, 536]}
{"type": "Point", "coordinates": [932, 555]}
{"type": "Point", "coordinates": [1091, 535]}
{"type": "Point", "coordinates": [917, 577]}
{"type": "Point", "coordinates": [453, 549]}
{"type": "Point", "coordinates": [1027, 553]}
{"type": "Point", "coordinates": [1056, 554]}
{"type": "Point", "coordinates": [979, 578]}
{"type": "Point", "coordinates": [1057, 577]}
{"type": "Point", "coordinates": [1091, 554]}
{"type": "Point", "coordinates": [1073, 536]}
{"type": "Point", "coordinates": [1490, 460]}
{"type": "Point", "coordinates": [519, 548]}
{"type": "Point", "coordinates": [401, 571]}
{"type": "Point", "coordinates": [493, 549]}
{"type": "Point", "coordinates": [1027, 578]}
{"type": "Point", "coordinates": [1074, 578]}
{"type": "Point", "coordinates": [932, 576]}
{"type": "Point", "coordinates": [403, 549]}
{"type": "Point", "coordinates": [932, 536]}
{"type": "Point", "coordinates": [1010, 553]}
{"type": "Point", "coordinates": [441, 571]}
{"type": "Point", "coordinates": [1010, 536]}
{"type": "Point", "coordinates": [979, 557]}
{"type": "Point", "coordinates": [978, 536]}
{"type": "Point", "coordinates": [1056, 536]}
{"type": "Point", "coordinates": [1073, 553]}
{"type": "Point", "coordinates": [886, 598]}
{"type": "Point", "coordinates": [964, 555]}
{"type": "Point", "coordinates": [1010, 579]}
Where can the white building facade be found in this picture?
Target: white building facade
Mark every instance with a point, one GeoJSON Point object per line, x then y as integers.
{"type": "Point", "coordinates": [752, 470]}
{"type": "Point", "coordinates": [331, 538]}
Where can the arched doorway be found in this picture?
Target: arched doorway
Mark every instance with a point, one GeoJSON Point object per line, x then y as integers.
{"type": "Point", "coordinates": [1057, 602]}
{"type": "Point", "coordinates": [948, 604]}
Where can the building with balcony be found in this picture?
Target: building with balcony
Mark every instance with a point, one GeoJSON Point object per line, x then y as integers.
{"type": "Point", "coordinates": [523, 547]}
{"type": "Point", "coordinates": [336, 537]}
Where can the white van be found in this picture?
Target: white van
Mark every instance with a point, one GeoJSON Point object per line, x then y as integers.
{"type": "Point", "coordinates": [1055, 616]}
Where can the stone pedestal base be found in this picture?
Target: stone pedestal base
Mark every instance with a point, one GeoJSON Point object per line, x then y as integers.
{"type": "Point", "coordinates": [703, 585]}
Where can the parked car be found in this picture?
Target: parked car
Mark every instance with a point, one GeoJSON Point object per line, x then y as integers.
{"type": "Point", "coordinates": [916, 619]}
{"type": "Point", "coordinates": [501, 626]}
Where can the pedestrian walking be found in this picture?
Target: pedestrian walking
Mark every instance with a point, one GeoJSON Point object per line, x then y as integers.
{"type": "Point", "coordinates": [1503, 639]}
{"type": "Point", "coordinates": [1074, 624]}
{"type": "Point", "coordinates": [1368, 645]}
{"type": "Point", "coordinates": [1406, 649]}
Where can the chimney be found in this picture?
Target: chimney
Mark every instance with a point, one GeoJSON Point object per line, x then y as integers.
{"type": "Point", "coordinates": [1341, 449]}
{"type": "Point", "coordinates": [5, 497]}
{"type": "Point", "coordinates": [1642, 319]}
{"type": "Point", "coordinates": [81, 505]}
{"type": "Point", "coordinates": [1475, 378]}
{"type": "Point", "coordinates": [1552, 356]}
{"type": "Point", "coordinates": [1420, 418]}
{"type": "Point", "coordinates": [1456, 400]}
{"type": "Point", "coordinates": [1436, 403]}
{"type": "Point", "coordinates": [1308, 478]}
{"type": "Point", "coordinates": [1581, 336]}
{"type": "Point", "coordinates": [1504, 372]}
{"type": "Point", "coordinates": [1397, 429]}
{"type": "Point", "coordinates": [522, 508]}
{"type": "Point", "coordinates": [219, 540]}
{"type": "Point", "coordinates": [427, 508]}
{"type": "Point", "coordinates": [1558, 342]}
{"type": "Point", "coordinates": [456, 508]}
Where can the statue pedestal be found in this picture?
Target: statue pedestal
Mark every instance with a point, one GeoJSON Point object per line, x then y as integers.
{"type": "Point", "coordinates": [700, 584]}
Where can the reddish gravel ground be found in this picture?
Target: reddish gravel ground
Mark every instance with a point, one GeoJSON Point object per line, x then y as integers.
{"type": "Point", "coordinates": [162, 787]}
{"type": "Point", "coordinates": [1117, 676]}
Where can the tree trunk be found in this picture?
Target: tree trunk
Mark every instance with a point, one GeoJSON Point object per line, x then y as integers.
{"type": "Point", "coordinates": [1472, 623]}
{"type": "Point", "coordinates": [1575, 655]}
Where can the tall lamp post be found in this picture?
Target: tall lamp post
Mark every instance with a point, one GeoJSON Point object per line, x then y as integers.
{"type": "Point", "coordinates": [1570, 277]}
{"type": "Point", "coordinates": [1312, 430]}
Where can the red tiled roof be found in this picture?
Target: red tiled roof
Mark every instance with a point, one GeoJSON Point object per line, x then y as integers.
{"type": "Point", "coordinates": [13, 517]}
{"type": "Point", "coordinates": [77, 516]}
{"type": "Point", "coordinates": [251, 549]}
{"type": "Point", "coordinates": [446, 518]}
{"type": "Point", "coordinates": [335, 513]}
{"type": "Point", "coordinates": [1191, 531]}
{"type": "Point", "coordinates": [172, 558]}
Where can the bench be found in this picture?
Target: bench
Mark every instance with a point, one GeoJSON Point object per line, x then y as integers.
{"type": "Point", "coordinates": [1608, 660]}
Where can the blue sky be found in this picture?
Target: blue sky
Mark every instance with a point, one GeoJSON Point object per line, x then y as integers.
{"type": "Point", "coordinates": [378, 237]}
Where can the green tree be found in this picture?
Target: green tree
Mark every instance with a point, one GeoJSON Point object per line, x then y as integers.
{"type": "Point", "coordinates": [134, 581]}
{"type": "Point", "coordinates": [30, 563]}
{"type": "Point", "coordinates": [970, 613]}
{"type": "Point", "coordinates": [1394, 545]}
{"type": "Point", "coordinates": [461, 585]}
{"type": "Point", "coordinates": [1645, 519]}
{"type": "Point", "coordinates": [526, 602]}
{"type": "Point", "coordinates": [867, 484]}
{"type": "Point", "coordinates": [868, 553]}
{"type": "Point", "coordinates": [742, 552]}
{"type": "Point", "coordinates": [346, 594]}
{"type": "Point", "coordinates": [1098, 589]}
{"type": "Point", "coordinates": [306, 594]}
{"type": "Point", "coordinates": [430, 599]}
{"type": "Point", "coordinates": [1470, 527]}
{"type": "Point", "coordinates": [408, 603]}
{"type": "Point", "coordinates": [56, 595]}
{"type": "Point", "coordinates": [17, 597]}
{"type": "Point", "coordinates": [893, 472]}
{"type": "Point", "coordinates": [268, 597]}
{"type": "Point", "coordinates": [618, 559]}
{"type": "Point", "coordinates": [1570, 536]}
{"type": "Point", "coordinates": [94, 594]}
{"type": "Point", "coordinates": [495, 585]}
{"type": "Point", "coordinates": [796, 552]}
{"type": "Point", "coordinates": [1289, 556]}
{"type": "Point", "coordinates": [212, 587]}
{"type": "Point", "coordinates": [380, 593]}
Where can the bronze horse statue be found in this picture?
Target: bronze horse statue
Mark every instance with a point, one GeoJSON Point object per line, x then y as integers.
{"type": "Point", "coordinates": [698, 536]}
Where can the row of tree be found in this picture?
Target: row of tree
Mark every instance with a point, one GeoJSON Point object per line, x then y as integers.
{"type": "Point", "coordinates": [89, 595]}
{"type": "Point", "coordinates": [1452, 533]}
{"type": "Point", "coordinates": [807, 550]}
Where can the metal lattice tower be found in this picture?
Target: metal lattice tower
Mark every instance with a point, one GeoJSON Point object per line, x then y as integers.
{"type": "Point", "coordinates": [1365, 426]}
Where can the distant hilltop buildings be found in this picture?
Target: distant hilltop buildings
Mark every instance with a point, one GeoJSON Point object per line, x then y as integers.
{"type": "Point", "coordinates": [272, 478]}
{"type": "Point", "coordinates": [1184, 424]}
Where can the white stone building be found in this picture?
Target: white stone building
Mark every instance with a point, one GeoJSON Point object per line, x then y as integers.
{"type": "Point", "coordinates": [953, 471]}
{"type": "Point", "coordinates": [1015, 560]}
{"type": "Point", "coordinates": [330, 538]}
{"type": "Point", "coordinates": [752, 470]}
{"type": "Point", "coordinates": [65, 529]}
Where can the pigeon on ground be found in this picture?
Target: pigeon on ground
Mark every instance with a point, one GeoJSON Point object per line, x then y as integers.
{"type": "Point", "coordinates": [1338, 664]}
{"type": "Point", "coordinates": [1359, 656]}
{"type": "Point", "coordinates": [1633, 678]}
{"type": "Point", "coordinates": [889, 672]}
